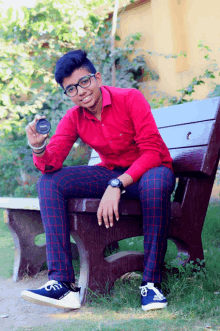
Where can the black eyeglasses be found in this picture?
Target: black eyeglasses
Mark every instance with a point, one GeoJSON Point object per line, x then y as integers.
{"type": "Point", "coordinates": [84, 82]}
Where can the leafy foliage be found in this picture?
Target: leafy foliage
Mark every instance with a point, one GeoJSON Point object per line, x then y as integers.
{"type": "Point", "coordinates": [31, 42]}
{"type": "Point", "coordinates": [186, 93]}
{"type": "Point", "coordinates": [128, 73]}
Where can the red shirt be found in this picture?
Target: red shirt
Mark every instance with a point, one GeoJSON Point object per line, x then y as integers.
{"type": "Point", "coordinates": [126, 136]}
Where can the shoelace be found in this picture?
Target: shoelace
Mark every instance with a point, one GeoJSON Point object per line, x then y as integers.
{"type": "Point", "coordinates": [144, 289]}
{"type": "Point", "coordinates": [52, 285]}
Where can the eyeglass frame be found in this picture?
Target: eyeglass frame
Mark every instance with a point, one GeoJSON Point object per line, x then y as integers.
{"type": "Point", "coordinates": [78, 84]}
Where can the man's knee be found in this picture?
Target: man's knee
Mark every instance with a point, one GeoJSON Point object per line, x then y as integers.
{"type": "Point", "coordinates": [158, 178]}
{"type": "Point", "coordinates": [45, 182]}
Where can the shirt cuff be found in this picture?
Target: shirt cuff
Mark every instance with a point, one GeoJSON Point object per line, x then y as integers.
{"type": "Point", "coordinates": [139, 167]}
{"type": "Point", "coordinates": [135, 172]}
{"type": "Point", "coordinates": [41, 162]}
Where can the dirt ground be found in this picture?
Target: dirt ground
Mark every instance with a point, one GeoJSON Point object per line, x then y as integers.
{"type": "Point", "coordinates": [16, 313]}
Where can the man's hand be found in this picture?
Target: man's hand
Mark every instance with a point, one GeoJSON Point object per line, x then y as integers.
{"type": "Point", "coordinates": [36, 139]}
{"type": "Point", "coordinates": [108, 206]}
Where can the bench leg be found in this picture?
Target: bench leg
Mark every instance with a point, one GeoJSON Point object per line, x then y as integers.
{"type": "Point", "coordinates": [98, 273]}
{"type": "Point", "coordinates": [25, 225]}
{"type": "Point", "coordinates": [186, 231]}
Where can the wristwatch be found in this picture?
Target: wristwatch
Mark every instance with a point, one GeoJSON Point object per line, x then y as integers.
{"type": "Point", "coordinates": [115, 182]}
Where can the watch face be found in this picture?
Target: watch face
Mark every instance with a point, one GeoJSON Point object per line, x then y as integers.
{"type": "Point", "coordinates": [115, 182]}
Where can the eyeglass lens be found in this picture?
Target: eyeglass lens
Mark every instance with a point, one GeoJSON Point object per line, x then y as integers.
{"type": "Point", "coordinates": [83, 82]}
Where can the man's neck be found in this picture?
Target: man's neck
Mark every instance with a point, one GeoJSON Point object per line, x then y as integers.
{"type": "Point", "coordinates": [97, 108]}
{"type": "Point", "coordinates": [98, 116]}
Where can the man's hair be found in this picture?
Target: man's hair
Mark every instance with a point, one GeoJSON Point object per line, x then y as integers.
{"type": "Point", "coordinates": [71, 61]}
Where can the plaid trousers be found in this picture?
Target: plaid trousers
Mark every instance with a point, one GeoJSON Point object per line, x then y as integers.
{"type": "Point", "coordinates": [153, 189]}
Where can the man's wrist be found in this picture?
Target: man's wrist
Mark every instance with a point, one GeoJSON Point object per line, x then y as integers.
{"type": "Point", "coordinates": [38, 153]}
{"type": "Point", "coordinates": [37, 148]}
{"type": "Point", "coordinates": [117, 183]}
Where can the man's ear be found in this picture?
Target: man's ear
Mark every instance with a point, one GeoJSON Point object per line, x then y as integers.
{"type": "Point", "coordinates": [98, 77]}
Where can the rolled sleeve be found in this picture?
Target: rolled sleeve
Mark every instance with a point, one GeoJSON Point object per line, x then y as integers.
{"type": "Point", "coordinates": [143, 164]}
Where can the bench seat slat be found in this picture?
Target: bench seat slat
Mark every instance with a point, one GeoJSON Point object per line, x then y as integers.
{"type": "Point", "coordinates": [126, 207]}
{"type": "Point", "coordinates": [195, 111]}
{"type": "Point", "coordinates": [195, 134]}
{"type": "Point", "coordinates": [20, 203]}
{"type": "Point", "coordinates": [81, 205]}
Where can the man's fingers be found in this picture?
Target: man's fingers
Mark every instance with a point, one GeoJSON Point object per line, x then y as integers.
{"type": "Point", "coordinates": [105, 218]}
{"type": "Point", "coordinates": [110, 216]}
{"type": "Point", "coordinates": [32, 127]}
{"type": "Point", "coordinates": [116, 212]}
{"type": "Point", "coordinates": [99, 216]}
{"type": "Point", "coordinates": [37, 117]}
{"type": "Point", "coordinates": [107, 212]}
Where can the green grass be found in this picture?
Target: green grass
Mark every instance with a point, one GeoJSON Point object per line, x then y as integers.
{"type": "Point", "coordinates": [193, 298]}
{"type": "Point", "coordinates": [131, 321]}
{"type": "Point", "coordinates": [6, 249]}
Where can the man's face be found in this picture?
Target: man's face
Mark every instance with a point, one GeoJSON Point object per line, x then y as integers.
{"type": "Point", "coordinates": [89, 97]}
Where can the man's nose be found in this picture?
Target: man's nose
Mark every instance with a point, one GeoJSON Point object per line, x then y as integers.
{"type": "Point", "coordinates": [81, 90]}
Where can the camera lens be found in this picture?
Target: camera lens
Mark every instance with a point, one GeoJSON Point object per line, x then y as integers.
{"type": "Point", "coordinates": [43, 126]}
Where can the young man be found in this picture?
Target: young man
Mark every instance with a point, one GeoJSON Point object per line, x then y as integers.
{"type": "Point", "coordinates": [119, 125]}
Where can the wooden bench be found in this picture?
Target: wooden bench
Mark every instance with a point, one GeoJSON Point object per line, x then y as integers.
{"type": "Point", "coordinates": [192, 134]}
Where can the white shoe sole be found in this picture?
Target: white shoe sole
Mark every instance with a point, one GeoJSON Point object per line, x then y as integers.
{"type": "Point", "coordinates": [70, 301]}
{"type": "Point", "coordinates": [151, 306]}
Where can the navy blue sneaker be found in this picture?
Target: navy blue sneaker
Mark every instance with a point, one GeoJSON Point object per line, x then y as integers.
{"type": "Point", "coordinates": [54, 294]}
{"type": "Point", "coordinates": [152, 297]}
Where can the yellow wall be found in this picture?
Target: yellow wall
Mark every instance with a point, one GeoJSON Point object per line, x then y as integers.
{"type": "Point", "coordinates": [169, 27]}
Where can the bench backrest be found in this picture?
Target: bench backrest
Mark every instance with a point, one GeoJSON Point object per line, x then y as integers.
{"type": "Point", "coordinates": [192, 133]}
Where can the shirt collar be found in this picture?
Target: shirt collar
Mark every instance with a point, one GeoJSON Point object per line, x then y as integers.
{"type": "Point", "coordinates": [106, 100]}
